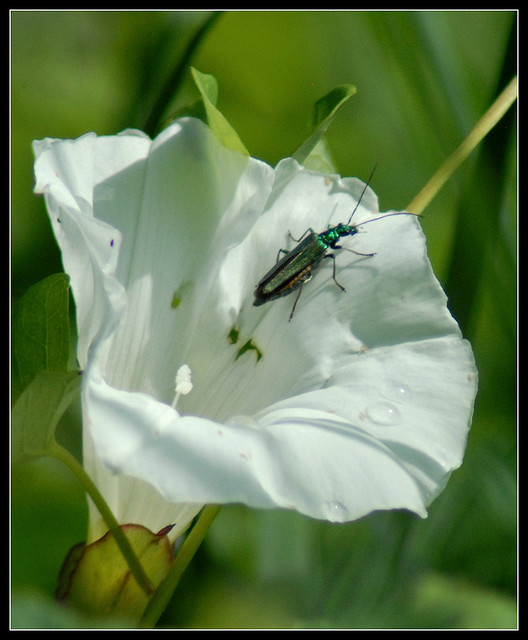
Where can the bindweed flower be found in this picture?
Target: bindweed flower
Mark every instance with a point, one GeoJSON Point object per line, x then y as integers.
{"type": "Point", "coordinates": [362, 402]}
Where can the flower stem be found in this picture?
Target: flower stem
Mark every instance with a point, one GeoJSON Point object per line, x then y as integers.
{"type": "Point", "coordinates": [163, 594]}
{"type": "Point", "coordinates": [122, 541]}
{"type": "Point", "coordinates": [453, 162]}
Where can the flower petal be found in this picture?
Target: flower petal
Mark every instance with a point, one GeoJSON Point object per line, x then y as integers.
{"type": "Point", "coordinates": [334, 453]}
{"type": "Point", "coordinates": [362, 402]}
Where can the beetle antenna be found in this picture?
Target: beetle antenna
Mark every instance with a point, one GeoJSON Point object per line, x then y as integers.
{"type": "Point", "coordinates": [388, 215]}
{"type": "Point", "coordinates": [363, 192]}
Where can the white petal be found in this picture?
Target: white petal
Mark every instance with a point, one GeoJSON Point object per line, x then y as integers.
{"type": "Point", "coordinates": [334, 453]}
{"type": "Point", "coordinates": [362, 402]}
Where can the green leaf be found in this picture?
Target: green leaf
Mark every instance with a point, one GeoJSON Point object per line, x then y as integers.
{"type": "Point", "coordinates": [41, 331]}
{"type": "Point", "coordinates": [327, 106]}
{"type": "Point", "coordinates": [208, 87]}
{"type": "Point", "coordinates": [313, 153]}
{"type": "Point", "coordinates": [37, 412]}
{"type": "Point", "coordinates": [321, 158]}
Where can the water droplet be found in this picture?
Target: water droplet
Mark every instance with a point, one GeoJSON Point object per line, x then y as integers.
{"type": "Point", "coordinates": [383, 413]}
{"type": "Point", "coordinates": [397, 392]}
{"type": "Point", "coordinates": [335, 511]}
{"type": "Point", "coordinates": [403, 391]}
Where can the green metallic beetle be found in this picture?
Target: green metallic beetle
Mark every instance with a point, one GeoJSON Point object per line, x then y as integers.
{"type": "Point", "coordinates": [296, 266]}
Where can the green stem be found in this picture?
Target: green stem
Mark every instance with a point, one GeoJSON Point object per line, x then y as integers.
{"type": "Point", "coordinates": [122, 541]}
{"type": "Point", "coordinates": [481, 129]}
{"type": "Point", "coordinates": [164, 592]}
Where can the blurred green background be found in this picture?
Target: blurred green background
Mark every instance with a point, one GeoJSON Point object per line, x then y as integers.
{"type": "Point", "coordinates": [423, 80]}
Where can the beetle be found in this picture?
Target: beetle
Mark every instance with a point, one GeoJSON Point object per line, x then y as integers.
{"type": "Point", "coordinates": [297, 265]}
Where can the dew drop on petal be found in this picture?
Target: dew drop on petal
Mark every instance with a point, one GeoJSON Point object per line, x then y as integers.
{"type": "Point", "coordinates": [397, 392]}
{"type": "Point", "coordinates": [383, 413]}
{"type": "Point", "coordinates": [403, 391]}
{"type": "Point", "coordinates": [335, 511]}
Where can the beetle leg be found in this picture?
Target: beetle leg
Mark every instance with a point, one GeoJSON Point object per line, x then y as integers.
{"type": "Point", "coordinates": [309, 230]}
{"type": "Point", "coordinates": [296, 301]}
{"type": "Point", "coordinates": [331, 255]}
{"type": "Point", "coordinates": [358, 253]}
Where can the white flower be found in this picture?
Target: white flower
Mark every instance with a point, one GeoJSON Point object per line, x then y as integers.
{"type": "Point", "coordinates": [362, 402]}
